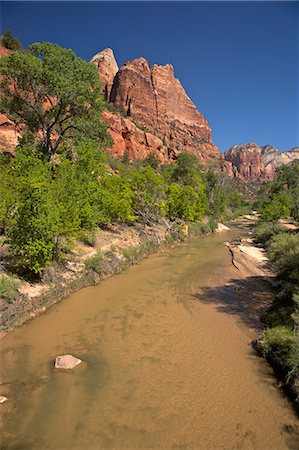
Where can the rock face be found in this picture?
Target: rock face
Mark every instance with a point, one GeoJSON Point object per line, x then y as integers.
{"type": "Point", "coordinates": [251, 162]}
{"type": "Point", "coordinates": [107, 68]}
{"type": "Point", "coordinates": [9, 134]}
{"type": "Point", "coordinates": [66, 362]}
{"type": "Point", "coordinates": [154, 101]}
{"type": "Point", "coordinates": [247, 160]}
{"type": "Point", "coordinates": [273, 159]}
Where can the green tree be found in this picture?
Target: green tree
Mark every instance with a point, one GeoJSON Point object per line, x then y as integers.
{"type": "Point", "coordinates": [9, 41]}
{"type": "Point", "coordinates": [33, 220]}
{"type": "Point", "coordinates": [185, 202]}
{"type": "Point", "coordinates": [54, 93]}
{"type": "Point", "coordinates": [149, 192]}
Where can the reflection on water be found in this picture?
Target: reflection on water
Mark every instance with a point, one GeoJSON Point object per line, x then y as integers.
{"type": "Point", "coordinates": [167, 364]}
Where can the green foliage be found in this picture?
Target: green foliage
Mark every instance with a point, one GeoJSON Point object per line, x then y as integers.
{"type": "Point", "coordinates": [264, 231]}
{"type": "Point", "coordinates": [284, 254]}
{"type": "Point", "coordinates": [9, 41]}
{"type": "Point", "coordinates": [54, 92]}
{"type": "Point", "coordinates": [95, 263]}
{"type": "Point", "coordinates": [278, 206]}
{"type": "Point", "coordinates": [9, 287]}
{"type": "Point", "coordinates": [278, 342]}
{"type": "Point", "coordinates": [185, 202]}
{"type": "Point", "coordinates": [280, 198]}
{"type": "Point", "coordinates": [149, 192]}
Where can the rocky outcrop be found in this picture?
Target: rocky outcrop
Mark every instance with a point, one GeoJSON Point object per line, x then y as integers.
{"type": "Point", "coordinates": [274, 159]}
{"type": "Point", "coordinates": [155, 102]}
{"type": "Point", "coordinates": [133, 142]}
{"type": "Point", "coordinates": [107, 68]}
{"type": "Point", "coordinates": [251, 162]}
{"type": "Point", "coordinates": [247, 161]}
{"type": "Point", "coordinates": [9, 135]}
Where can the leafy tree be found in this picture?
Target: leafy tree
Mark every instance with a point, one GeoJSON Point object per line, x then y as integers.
{"type": "Point", "coordinates": [55, 93]}
{"type": "Point", "coordinates": [149, 192]}
{"type": "Point", "coordinates": [34, 219]}
{"type": "Point", "coordinates": [9, 41]}
{"type": "Point", "coordinates": [185, 202]}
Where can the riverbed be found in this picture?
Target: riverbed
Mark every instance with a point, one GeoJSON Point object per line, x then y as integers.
{"type": "Point", "coordinates": [167, 362]}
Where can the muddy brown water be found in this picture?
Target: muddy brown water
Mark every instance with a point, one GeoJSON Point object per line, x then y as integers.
{"type": "Point", "coordinates": [168, 362]}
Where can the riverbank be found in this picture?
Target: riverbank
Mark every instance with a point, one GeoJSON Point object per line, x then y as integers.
{"type": "Point", "coordinates": [111, 250]}
{"type": "Point", "coordinates": [250, 257]}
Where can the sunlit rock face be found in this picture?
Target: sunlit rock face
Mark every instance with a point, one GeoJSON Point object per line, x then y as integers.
{"type": "Point", "coordinates": [251, 162]}
{"type": "Point", "coordinates": [107, 68]}
{"type": "Point", "coordinates": [156, 103]}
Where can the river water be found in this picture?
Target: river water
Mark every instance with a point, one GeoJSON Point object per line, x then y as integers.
{"type": "Point", "coordinates": [168, 362]}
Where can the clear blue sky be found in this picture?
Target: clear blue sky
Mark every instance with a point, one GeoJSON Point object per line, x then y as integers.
{"type": "Point", "coordinates": [238, 61]}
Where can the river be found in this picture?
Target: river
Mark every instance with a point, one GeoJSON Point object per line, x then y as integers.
{"type": "Point", "coordinates": [168, 362]}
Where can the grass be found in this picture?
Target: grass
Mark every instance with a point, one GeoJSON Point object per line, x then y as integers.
{"type": "Point", "coordinates": [95, 263]}
{"type": "Point", "coordinates": [9, 287]}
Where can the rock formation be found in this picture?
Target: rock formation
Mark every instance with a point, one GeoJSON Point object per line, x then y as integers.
{"type": "Point", "coordinates": [273, 159]}
{"type": "Point", "coordinates": [107, 68]}
{"type": "Point", "coordinates": [154, 101]}
{"type": "Point", "coordinates": [251, 162]}
{"type": "Point", "coordinates": [9, 135]}
{"type": "Point", "coordinates": [66, 362]}
{"type": "Point", "coordinates": [247, 161]}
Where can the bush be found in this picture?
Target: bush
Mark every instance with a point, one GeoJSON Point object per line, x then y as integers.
{"type": "Point", "coordinates": [284, 254]}
{"type": "Point", "coordinates": [278, 342]}
{"type": "Point", "coordinates": [264, 231]}
{"type": "Point", "coordinates": [9, 41]}
{"type": "Point", "coordinates": [95, 263]}
{"type": "Point", "coordinates": [9, 287]}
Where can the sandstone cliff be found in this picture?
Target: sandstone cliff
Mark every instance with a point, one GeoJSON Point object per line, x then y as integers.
{"type": "Point", "coordinates": [154, 102]}
{"type": "Point", "coordinates": [251, 162]}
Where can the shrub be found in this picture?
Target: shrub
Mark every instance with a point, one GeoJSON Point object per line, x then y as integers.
{"type": "Point", "coordinates": [264, 231]}
{"type": "Point", "coordinates": [279, 341]}
{"type": "Point", "coordinates": [9, 287]}
{"type": "Point", "coordinates": [95, 263]}
{"type": "Point", "coordinates": [284, 254]}
{"type": "Point", "coordinates": [9, 41]}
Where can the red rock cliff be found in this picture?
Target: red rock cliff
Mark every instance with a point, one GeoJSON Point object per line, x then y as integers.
{"type": "Point", "coordinates": [155, 101]}
{"type": "Point", "coordinates": [251, 162]}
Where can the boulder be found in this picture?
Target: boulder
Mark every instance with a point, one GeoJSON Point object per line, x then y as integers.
{"type": "Point", "coordinates": [66, 362]}
{"type": "Point", "coordinates": [3, 399]}
{"type": "Point", "coordinates": [222, 227]}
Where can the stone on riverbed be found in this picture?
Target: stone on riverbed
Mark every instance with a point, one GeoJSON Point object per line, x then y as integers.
{"type": "Point", "coordinates": [66, 362]}
{"type": "Point", "coordinates": [222, 227]}
{"type": "Point", "coordinates": [3, 399]}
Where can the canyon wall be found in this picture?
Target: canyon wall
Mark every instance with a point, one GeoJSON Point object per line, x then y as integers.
{"type": "Point", "coordinates": [253, 163]}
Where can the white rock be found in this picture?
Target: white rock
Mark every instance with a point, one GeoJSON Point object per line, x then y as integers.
{"type": "Point", "coordinates": [222, 227]}
{"type": "Point", "coordinates": [253, 252]}
{"type": "Point", "coordinates": [3, 399]}
{"type": "Point", "coordinates": [66, 362]}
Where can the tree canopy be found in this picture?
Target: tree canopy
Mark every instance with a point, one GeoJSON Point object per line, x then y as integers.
{"type": "Point", "coordinates": [55, 94]}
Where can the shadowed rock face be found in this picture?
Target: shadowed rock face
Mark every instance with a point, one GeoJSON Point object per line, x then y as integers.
{"type": "Point", "coordinates": [251, 162]}
{"type": "Point", "coordinates": [153, 99]}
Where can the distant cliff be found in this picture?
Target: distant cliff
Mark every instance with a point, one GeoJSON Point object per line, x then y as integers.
{"type": "Point", "coordinates": [251, 162]}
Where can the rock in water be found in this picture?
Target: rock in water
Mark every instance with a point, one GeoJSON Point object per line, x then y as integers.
{"type": "Point", "coordinates": [3, 399]}
{"type": "Point", "coordinates": [66, 362]}
{"type": "Point", "coordinates": [222, 227]}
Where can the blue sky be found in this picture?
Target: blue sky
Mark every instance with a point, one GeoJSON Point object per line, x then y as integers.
{"type": "Point", "coordinates": [238, 61]}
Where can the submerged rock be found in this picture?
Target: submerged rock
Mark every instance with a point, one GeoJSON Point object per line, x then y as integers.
{"type": "Point", "coordinates": [3, 399]}
{"type": "Point", "coordinates": [66, 362]}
